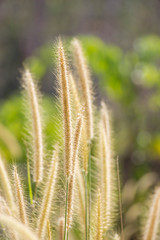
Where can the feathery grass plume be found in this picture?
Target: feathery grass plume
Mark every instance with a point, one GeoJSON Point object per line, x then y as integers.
{"type": "Point", "coordinates": [7, 189]}
{"type": "Point", "coordinates": [85, 85]}
{"type": "Point", "coordinates": [106, 168]}
{"type": "Point", "coordinates": [106, 181]}
{"type": "Point", "coordinates": [151, 227]}
{"type": "Point", "coordinates": [77, 106]}
{"type": "Point", "coordinates": [71, 186]}
{"type": "Point", "coordinates": [33, 98]}
{"type": "Point", "coordinates": [48, 196]}
{"type": "Point", "coordinates": [61, 228]}
{"type": "Point", "coordinates": [49, 230]}
{"type": "Point", "coordinates": [99, 230]}
{"type": "Point", "coordinates": [20, 198]}
{"type": "Point", "coordinates": [66, 107]}
{"type": "Point", "coordinates": [22, 230]}
{"type": "Point", "coordinates": [86, 88]}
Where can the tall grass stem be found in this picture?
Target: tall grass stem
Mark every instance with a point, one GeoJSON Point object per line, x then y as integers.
{"type": "Point", "coordinates": [66, 207]}
{"type": "Point", "coordinates": [86, 206]}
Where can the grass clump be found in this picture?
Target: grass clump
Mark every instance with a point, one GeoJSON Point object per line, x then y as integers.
{"type": "Point", "coordinates": [75, 194]}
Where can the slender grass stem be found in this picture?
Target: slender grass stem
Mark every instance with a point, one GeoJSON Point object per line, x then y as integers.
{"type": "Point", "coordinates": [89, 192]}
{"type": "Point", "coordinates": [120, 200]}
{"type": "Point", "coordinates": [86, 206]}
{"type": "Point", "coordinates": [65, 224]}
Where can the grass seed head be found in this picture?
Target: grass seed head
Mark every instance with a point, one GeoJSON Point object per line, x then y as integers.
{"type": "Point", "coordinates": [66, 107]}
{"type": "Point", "coordinates": [85, 85]}
{"type": "Point", "coordinates": [7, 188]}
{"type": "Point", "coordinates": [20, 197]}
{"type": "Point", "coordinates": [151, 227]}
{"type": "Point", "coordinates": [45, 209]}
{"type": "Point", "coordinates": [99, 232]}
{"type": "Point", "coordinates": [71, 186]}
{"type": "Point", "coordinates": [37, 148]}
{"type": "Point", "coordinates": [61, 228]}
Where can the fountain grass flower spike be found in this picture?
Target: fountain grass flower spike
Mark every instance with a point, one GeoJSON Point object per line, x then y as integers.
{"type": "Point", "coordinates": [45, 209]}
{"type": "Point", "coordinates": [7, 187]}
{"type": "Point", "coordinates": [33, 99]}
{"type": "Point", "coordinates": [20, 197]}
{"type": "Point", "coordinates": [86, 85]}
{"type": "Point", "coordinates": [63, 82]}
{"type": "Point", "coordinates": [108, 172]}
{"type": "Point", "coordinates": [151, 227]}
{"type": "Point", "coordinates": [71, 187]}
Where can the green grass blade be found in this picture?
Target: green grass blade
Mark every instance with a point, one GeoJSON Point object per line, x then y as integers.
{"type": "Point", "coordinates": [29, 183]}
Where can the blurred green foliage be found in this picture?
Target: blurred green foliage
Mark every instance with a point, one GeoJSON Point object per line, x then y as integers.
{"type": "Point", "coordinates": [130, 80]}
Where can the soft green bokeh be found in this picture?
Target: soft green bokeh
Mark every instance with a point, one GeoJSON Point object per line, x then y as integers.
{"type": "Point", "coordinates": [130, 80]}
